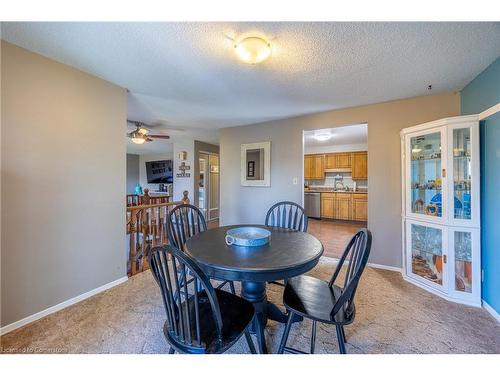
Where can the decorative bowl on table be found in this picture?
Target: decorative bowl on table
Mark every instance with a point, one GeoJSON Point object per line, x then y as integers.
{"type": "Point", "coordinates": [247, 236]}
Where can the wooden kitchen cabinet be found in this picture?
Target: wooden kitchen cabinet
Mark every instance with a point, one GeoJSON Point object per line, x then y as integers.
{"type": "Point", "coordinates": [319, 167]}
{"type": "Point", "coordinates": [308, 167]}
{"type": "Point", "coordinates": [331, 161]}
{"type": "Point", "coordinates": [314, 167]}
{"type": "Point", "coordinates": [327, 206]}
{"type": "Point", "coordinates": [342, 206]}
{"type": "Point", "coordinates": [360, 207]}
{"type": "Point", "coordinates": [339, 160]}
{"type": "Point", "coordinates": [344, 160]}
{"type": "Point", "coordinates": [359, 167]}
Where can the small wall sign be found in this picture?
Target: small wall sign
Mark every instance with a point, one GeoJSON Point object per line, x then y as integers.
{"type": "Point", "coordinates": [183, 168]}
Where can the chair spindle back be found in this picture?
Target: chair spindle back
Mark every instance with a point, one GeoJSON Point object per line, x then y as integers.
{"type": "Point", "coordinates": [356, 253]}
{"type": "Point", "coordinates": [184, 221]}
{"type": "Point", "coordinates": [183, 314]}
{"type": "Point", "coordinates": [287, 215]}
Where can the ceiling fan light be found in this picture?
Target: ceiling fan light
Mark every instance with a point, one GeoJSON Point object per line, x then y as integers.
{"type": "Point", "coordinates": [138, 140]}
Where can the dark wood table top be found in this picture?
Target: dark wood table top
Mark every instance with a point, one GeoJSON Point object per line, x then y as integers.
{"type": "Point", "coordinates": [288, 254]}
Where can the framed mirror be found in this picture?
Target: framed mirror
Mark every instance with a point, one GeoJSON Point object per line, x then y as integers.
{"type": "Point", "coordinates": [256, 164]}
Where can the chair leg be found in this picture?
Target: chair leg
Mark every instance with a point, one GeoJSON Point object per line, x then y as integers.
{"type": "Point", "coordinates": [171, 350]}
{"type": "Point", "coordinates": [313, 336]}
{"type": "Point", "coordinates": [286, 333]}
{"type": "Point", "coordinates": [250, 342]}
{"type": "Point", "coordinates": [343, 333]}
{"type": "Point", "coordinates": [231, 286]}
{"type": "Point", "coordinates": [340, 339]}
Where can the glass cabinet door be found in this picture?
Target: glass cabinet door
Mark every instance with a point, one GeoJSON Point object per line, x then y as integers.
{"type": "Point", "coordinates": [425, 172]}
{"type": "Point", "coordinates": [465, 164]}
{"type": "Point", "coordinates": [461, 173]}
{"type": "Point", "coordinates": [465, 263]}
{"type": "Point", "coordinates": [426, 255]}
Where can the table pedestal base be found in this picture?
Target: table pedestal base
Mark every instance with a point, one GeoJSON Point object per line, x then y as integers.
{"type": "Point", "coordinates": [255, 292]}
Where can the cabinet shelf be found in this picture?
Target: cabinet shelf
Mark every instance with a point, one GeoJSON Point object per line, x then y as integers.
{"type": "Point", "coordinates": [427, 159]}
{"type": "Point", "coordinates": [423, 189]}
{"type": "Point", "coordinates": [432, 252]}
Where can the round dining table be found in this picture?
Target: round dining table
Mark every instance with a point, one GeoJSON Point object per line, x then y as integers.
{"type": "Point", "coordinates": [289, 253]}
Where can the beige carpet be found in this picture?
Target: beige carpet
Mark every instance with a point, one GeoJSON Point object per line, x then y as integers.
{"type": "Point", "coordinates": [393, 316]}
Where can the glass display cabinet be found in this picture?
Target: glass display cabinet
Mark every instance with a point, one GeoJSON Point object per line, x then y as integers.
{"type": "Point", "coordinates": [440, 208]}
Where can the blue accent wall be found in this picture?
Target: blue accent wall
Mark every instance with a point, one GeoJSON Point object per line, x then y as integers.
{"type": "Point", "coordinates": [480, 94]}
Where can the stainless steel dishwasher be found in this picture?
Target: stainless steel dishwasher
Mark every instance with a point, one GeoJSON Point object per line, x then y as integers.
{"type": "Point", "coordinates": [312, 204]}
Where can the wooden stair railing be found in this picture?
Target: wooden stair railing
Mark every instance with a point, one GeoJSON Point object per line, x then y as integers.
{"type": "Point", "coordinates": [147, 227]}
{"type": "Point", "coordinates": [138, 200]}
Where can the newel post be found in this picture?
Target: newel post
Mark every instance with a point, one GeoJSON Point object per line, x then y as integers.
{"type": "Point", "coordinates": [146, 199]}
{"type": "Point", "coordinates": [185, 198]}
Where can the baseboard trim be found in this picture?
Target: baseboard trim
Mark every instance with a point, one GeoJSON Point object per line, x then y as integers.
{"type": "Point", "coordinates": [374, 265]}
{"type": "Point", "coordinates": [491, 310]}
{"type": "Point", "coordinates": [29, 319]}
{"type": "Point", "coordinates": [384, 267]}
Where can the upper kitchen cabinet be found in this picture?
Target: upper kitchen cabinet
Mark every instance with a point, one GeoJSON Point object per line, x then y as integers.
{"type": "Point", "coordinates": [344, 160]}
{"type": "Point", "coordinates": [314, 167]}
{"type": "Point", "coordinates": [330, 161]}
{"type": "Point", "coordinates": [359, 161]}
{"type": "Point", "coordinates": [308, 167]}
{"type": "Point", "coordinates": [338, 161]}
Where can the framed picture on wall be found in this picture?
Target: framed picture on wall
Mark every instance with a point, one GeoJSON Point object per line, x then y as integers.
{"type": "Point", "coordinates": [251, 169]}
{"type": "Point", "coordinates": [256, 164]}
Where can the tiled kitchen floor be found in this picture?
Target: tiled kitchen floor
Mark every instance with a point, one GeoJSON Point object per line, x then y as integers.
{"type": "Point", "coordinates": [334, 234]}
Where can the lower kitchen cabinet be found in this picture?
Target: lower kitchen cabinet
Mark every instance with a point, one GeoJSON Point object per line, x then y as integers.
{"type": "Point", "coordinates": [327, 207]}
{"type": "Point", "coordinates": [360, 207]}
{"type": "Point", "coordinates": [342, 206]}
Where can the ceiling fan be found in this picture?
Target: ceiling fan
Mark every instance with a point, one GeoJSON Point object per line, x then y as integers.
{"type": "Point", "coordinates": [141, 133]}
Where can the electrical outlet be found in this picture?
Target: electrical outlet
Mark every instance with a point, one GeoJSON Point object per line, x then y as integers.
{"type": "Point", "coordinates": [295, 181]}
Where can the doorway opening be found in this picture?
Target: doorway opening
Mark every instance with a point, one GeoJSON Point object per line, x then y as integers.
{"type": "Point", "coordinates": [208, 187]}
{"type": "Point", "coordinates": [336, 184]}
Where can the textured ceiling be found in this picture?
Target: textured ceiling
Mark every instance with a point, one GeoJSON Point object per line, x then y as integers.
{"type": "Point", "coordinates": [186, 75]}
{"type": "Point", "coordinates": [344, 135]}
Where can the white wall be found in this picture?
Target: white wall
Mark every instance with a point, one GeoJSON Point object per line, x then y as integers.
{"type": "Point", "coordinates": [143, 178]}
{"type": "Point", "coordinates": [132, 172]}
{"type": "Point", "coordinates": [184, 183]}
{"type": "Point", "coordinates": [63, 183]}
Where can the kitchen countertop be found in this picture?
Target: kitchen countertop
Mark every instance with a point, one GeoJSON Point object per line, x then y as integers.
{"type": "Point", "coordinates": [333, 191]}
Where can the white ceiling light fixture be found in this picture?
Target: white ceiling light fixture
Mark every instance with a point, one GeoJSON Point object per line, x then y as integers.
{"type": "Point", "coordinates": [253, 49]}
{"type": "Point", "coordinates": [322, 136]}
